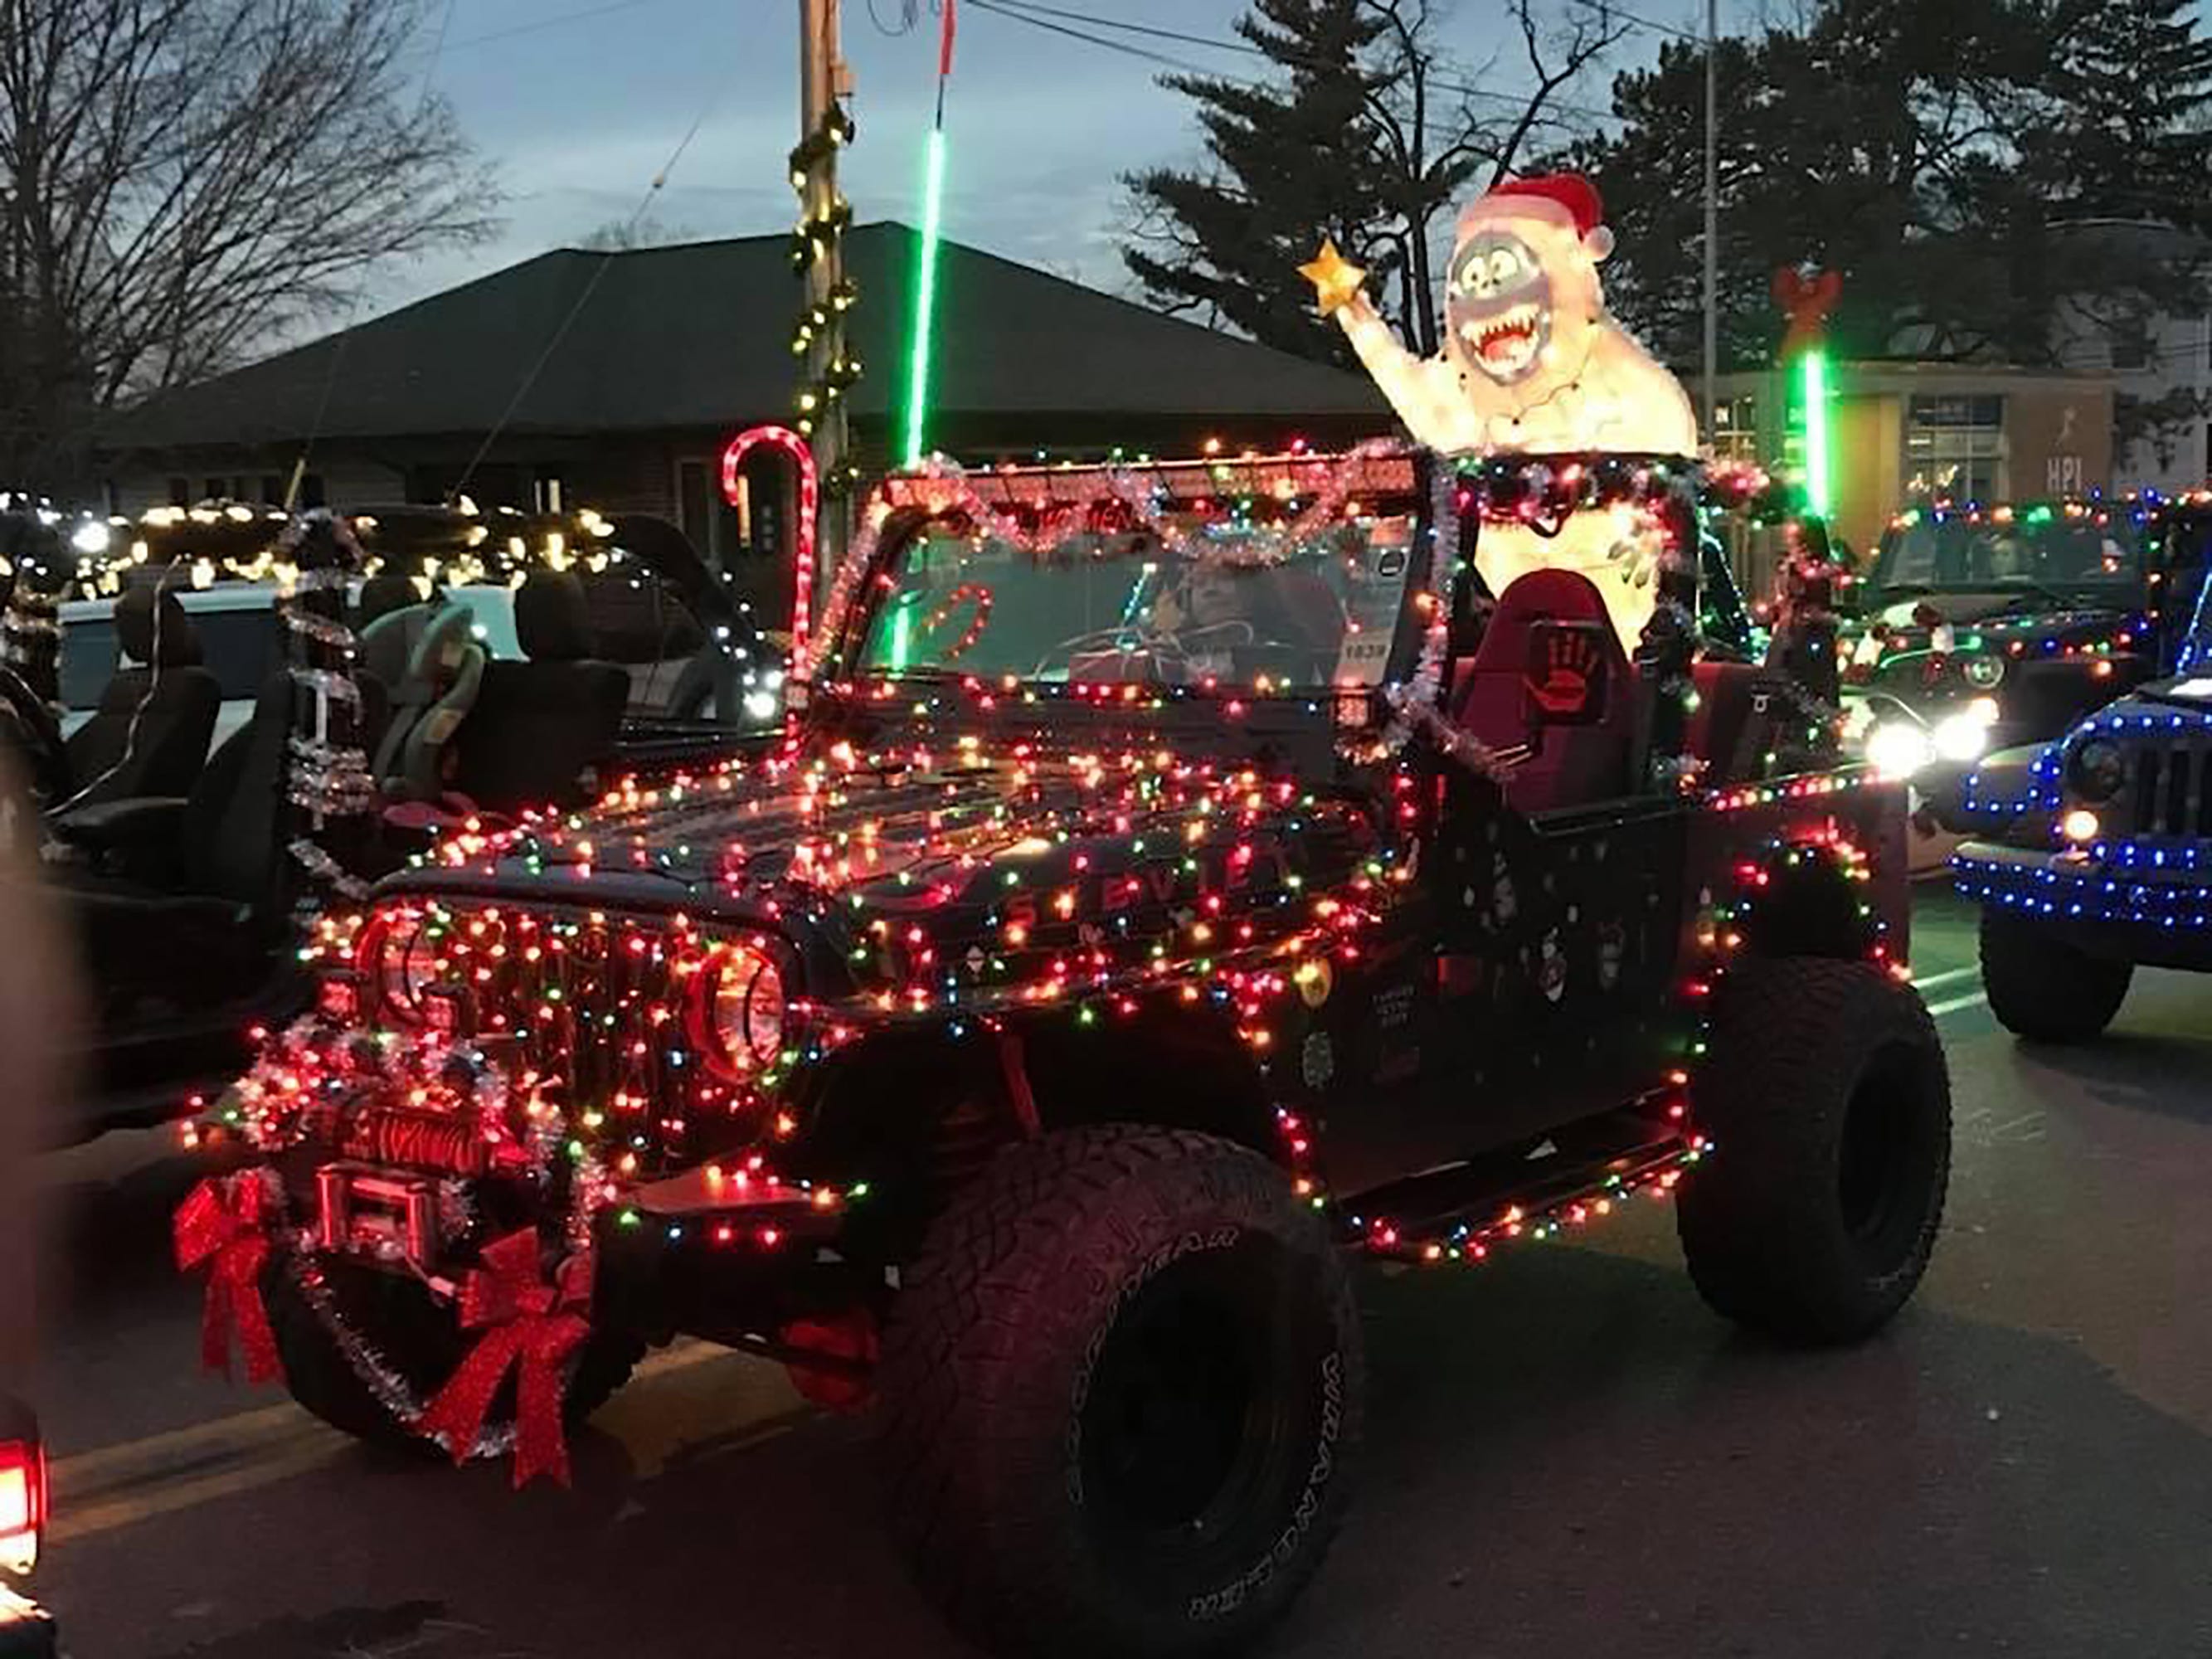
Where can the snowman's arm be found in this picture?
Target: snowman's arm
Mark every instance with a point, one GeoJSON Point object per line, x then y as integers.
{"type": "Point", "coordinates": [1421, 389]}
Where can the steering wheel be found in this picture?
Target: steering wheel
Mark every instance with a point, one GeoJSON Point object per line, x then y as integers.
{"type": "Point", "coordinates": [27, 726]}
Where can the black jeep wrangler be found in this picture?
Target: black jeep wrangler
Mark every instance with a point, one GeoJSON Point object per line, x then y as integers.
{"type": "Point", "coordinates": [1985, 627]}
{"type": "Point", "coordinates": [1177, 881]}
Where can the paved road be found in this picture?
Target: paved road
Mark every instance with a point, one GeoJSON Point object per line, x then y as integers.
{"type": "Point", "coordinates": [1569, 1455]}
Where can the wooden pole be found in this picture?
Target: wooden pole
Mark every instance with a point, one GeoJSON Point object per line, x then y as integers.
{"type": "Point", "coordinates": [823, 77]}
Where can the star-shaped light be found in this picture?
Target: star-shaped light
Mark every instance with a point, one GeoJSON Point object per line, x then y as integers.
{"type": "Point", "coordinates": [1336, 280]}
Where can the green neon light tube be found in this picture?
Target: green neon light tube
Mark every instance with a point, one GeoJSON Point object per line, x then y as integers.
{"type": "Point", "coordinates": [925, 296]}
{"type": "Point", "coordinates": [1817, 492]}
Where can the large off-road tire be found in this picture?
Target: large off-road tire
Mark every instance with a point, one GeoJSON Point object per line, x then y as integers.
{"type": "Point", "coordinates": [2043, 988]}
{"type": "Point", "coordinates": [1120, 1395]}
{"type": "Point", "coordinates": [1825, 1093]}
{"type": "Point", "coordinates": [418, 1338]}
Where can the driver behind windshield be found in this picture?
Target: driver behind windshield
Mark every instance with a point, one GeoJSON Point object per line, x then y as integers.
{"type": "Point", "coordinates": [1238, 622]}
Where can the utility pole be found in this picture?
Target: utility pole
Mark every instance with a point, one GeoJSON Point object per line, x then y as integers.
{"type": "Point", "coordinates": [1712, 219]}
{"type": "Point", "coordinates": [824, 78]}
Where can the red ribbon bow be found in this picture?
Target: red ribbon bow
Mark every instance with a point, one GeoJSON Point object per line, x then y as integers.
{"type": "Point", "coordinates": [528, 1324]}
{"type": "Point", "coordinates": [228, 1222]}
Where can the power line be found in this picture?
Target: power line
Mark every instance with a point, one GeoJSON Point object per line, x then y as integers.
{"type": "Point", "coordinates": [555, 21]}
{"type": "Point", "coordinates": [1035, 13]}
{"type": "Point", "coordinates": [1657, 28]}
{"type": "Point", "coordinates": [591, 287]}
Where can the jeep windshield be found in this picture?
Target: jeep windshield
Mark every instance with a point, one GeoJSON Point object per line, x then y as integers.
{"type": "Point", "coordinates": [1180, 601]}
{"type": "Point", "coordinates": [2058, 556]}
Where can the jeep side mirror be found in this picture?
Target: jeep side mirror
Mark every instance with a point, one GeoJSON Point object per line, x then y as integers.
{"type": "Point", "coordinates": [1565, 681]}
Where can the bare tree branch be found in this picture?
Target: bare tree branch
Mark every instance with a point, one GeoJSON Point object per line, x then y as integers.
{"type": "Point", "coordinates": [184, 181]}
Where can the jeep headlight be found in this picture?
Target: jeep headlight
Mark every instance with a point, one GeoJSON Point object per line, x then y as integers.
{"type": "Point", "coordinates": [399, 959]}
{"type": "Point", "coordinates": [738, 1010]}
{"type": "Point", "coordinates": [1964, 736]}
{"type": "Point", "coordinates": [1984, 672]}
{"type": "Point", "coordinates": [1898, 748]}
{"type": "Point", "coordinates": [2096, 770]}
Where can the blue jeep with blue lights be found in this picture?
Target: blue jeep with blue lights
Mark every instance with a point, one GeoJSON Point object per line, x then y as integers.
{"type": "Point", "coordinates": [2093, 853]}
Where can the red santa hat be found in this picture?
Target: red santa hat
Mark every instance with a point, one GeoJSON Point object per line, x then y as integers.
{"type": "Point", "coordinates": [1566, 198]}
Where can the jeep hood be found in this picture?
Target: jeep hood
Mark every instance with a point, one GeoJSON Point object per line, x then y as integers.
{"type": "Point", "coordinates": [947, 857]}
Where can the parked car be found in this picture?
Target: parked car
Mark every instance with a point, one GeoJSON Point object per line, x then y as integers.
{"type": "Point", "coordinates": [1166, 891]}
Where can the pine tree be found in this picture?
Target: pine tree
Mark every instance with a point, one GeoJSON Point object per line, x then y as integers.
{"type": "Point", "coordinates": [1290, 165]}
{"type": "Point", "coordinates": [1364, 135]}
{"type": "Point", "coordinates": [1942, 159]}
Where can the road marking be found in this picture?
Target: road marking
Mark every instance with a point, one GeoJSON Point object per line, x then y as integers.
{"type": "Point", "coordinates": [1929, 981]}
{"type": "Point", "coordinates": [133, 1480]}
{"type": "Point", "coordinates": [1955, 1003]}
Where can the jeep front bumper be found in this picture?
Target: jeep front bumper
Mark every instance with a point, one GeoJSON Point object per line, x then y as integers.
{"type": "Point", "coordinates": [2160, 915]}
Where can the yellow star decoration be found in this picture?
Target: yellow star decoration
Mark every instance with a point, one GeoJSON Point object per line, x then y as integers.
{"type": "Point", "coordinates": [1336, 280]}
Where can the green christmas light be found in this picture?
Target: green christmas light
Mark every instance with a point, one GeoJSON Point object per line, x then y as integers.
{"type": "Point", "coordinates": [925, 295]}
{"type": "Point", "coordinates": [1814, 367]}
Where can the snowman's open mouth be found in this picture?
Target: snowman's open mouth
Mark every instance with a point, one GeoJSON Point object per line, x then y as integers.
{"type": "Point", "coordinates": [1505, 346]}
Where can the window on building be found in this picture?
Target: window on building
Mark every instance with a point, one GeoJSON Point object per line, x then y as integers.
{"type": "Point", "coordinates": [1735, 428]}
{"type": "Point", "coordinates": [709, 523]}
{"type": "Point", "coordinates": [180, 492]}
{"type": "Point", "coordinates": [272, 490]}
{"type": "Point", "coordinates": [310, 490]}
{"type": "Point", "coordinates": [545, 492]}
{"type": "Point", "coordinates": [1955, 448]}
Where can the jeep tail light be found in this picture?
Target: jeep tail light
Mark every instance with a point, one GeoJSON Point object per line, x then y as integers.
{"type": "Point", "coordinates": [22, 1505]}
{"type": "Point", "coordinates": [736, 1011]}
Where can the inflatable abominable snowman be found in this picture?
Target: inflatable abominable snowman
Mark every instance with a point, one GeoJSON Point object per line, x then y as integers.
{"type": "Point", "coordinates": [1531, 363]}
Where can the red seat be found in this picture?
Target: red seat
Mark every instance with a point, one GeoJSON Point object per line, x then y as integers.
{"type": "Point", "coordinates": [1490, 698]}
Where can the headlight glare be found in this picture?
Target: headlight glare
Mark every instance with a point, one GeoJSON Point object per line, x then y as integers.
{"type": "Point", "coordinates": [1898, 749]}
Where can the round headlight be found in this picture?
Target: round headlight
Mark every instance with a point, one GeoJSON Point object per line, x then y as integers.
{"type": "Point", "coordinates": [737, 1018]}
{"type": "Point", "coordinates": [1898, 749]}
{"type": "Point", "coordinates": [1963, 737]}
{"type": "Point", "coordinates": [400, 960]}
{"type": "Point", "coordinates": [1983, 673]}
{"type": "Point", "coordinates": [2096, 770]}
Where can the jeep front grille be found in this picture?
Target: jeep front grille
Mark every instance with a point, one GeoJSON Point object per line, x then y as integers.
{"type": "Point", "coordinates": [2170, 789]}
{"type": "Point", "coordinates": [591, 1005]}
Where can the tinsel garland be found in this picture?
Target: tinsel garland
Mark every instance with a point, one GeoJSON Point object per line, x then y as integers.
{"type": "Point", "coordinates": [30, 641]}
{"type": "Point", "coordinates": [327, 772]}
{"type": "Point", "coordinates": [1132, 489]}
{"type": "Point", "coordinates": [316, 1070]}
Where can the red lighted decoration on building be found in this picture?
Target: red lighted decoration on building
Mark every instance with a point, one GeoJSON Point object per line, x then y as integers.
{"type": "Point", "coordinates": [791, 444]}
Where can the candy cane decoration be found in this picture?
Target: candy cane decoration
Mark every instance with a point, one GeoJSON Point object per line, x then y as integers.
{"type": "Point", "coordinates": [795, 446]}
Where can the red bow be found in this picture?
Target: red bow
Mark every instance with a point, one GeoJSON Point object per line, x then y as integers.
{"type": "Point", "coordinates": [228, 1222]}
{"type": "Point", "coordinates": [527, 1323]}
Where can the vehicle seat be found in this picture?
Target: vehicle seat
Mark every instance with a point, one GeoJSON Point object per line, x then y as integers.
{"type": "Point", "coordinates": [150, 734]}
{"type": "Point", "coordinates": [1572, 764]}
{"type": "Point", "coordinates": [381, 595]}
{"type": "Point", "coordinates": [540, 726]}
{"type": "Point", "coordinates": [206, 940]}
{"type": "Point", "coordinates": [1722, 720]}
{"type": "Point", "coordinates": [426, 708]}
{"type": "Point", "coordinates": [386, 640]}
